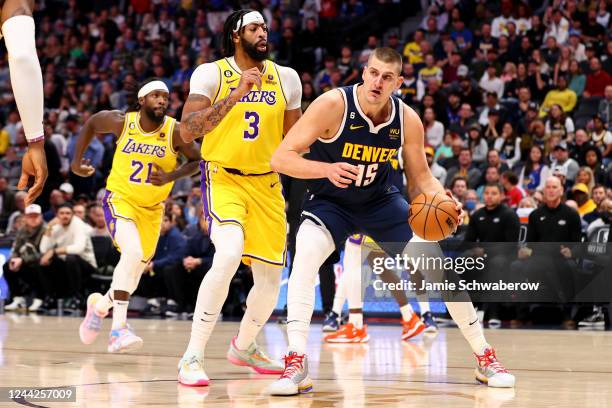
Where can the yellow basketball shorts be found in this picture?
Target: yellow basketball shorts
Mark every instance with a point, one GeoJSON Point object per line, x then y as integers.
{"type": "Point", "coordinates": [147, 219]}
{"type": "Point", "coordinates": [255, 203]}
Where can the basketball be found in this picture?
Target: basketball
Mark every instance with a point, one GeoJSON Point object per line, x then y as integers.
{"type": "Point", "coordinates": [433, 216]}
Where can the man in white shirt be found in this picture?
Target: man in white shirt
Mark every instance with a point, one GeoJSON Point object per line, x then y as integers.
{"type": "Point", "coordinates": [499, 26]}
{"type": "Point", "coordinates": [490, 82]}
{"type": "Point", "coordinates": [558, 27]}
{"type": "Point", "coordinates": [68, 257]}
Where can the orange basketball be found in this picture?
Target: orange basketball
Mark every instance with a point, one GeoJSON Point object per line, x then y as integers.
{"type": "Point", "coordinates": [433, 216]}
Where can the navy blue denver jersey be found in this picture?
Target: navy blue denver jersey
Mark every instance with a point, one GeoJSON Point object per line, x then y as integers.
{"type": "Point", "coordinates": [358, 142]}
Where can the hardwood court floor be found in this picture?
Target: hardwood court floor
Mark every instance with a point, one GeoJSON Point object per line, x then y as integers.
{"type": "Point", "coordinates": [553, 368]}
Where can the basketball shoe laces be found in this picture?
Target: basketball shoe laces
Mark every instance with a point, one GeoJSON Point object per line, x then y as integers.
{"type": "Point", "coordinates": [489, 359]}
{"type": "Point", "coordinates": [293, 363]}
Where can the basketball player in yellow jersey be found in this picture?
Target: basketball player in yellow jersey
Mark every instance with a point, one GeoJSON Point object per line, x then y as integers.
{"type": "Point", "coordinates": [241, 105]}
{"type": "Point", "coordinates": [142, 176]}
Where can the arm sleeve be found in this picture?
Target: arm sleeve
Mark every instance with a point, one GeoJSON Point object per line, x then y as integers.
{"type": "Point", "coordinates": [46, 243]}
{"type": "Point", "coordinates": [292, 87]}
{"type": "Point", "coordinates": [205, 80]}
{"type": "Point", "coordinates": [532, 234]}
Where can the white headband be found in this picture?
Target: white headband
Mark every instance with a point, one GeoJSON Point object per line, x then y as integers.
{"type": "Point", "coordinates": [152, 86]}
{"type": "Point", "coordinates": [248, 18]}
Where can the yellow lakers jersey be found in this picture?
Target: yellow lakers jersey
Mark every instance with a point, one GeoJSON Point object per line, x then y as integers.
{"type": "Point", "coordinates": [137, 153]}
{"type": "Point", "coordinates": [252, 130]}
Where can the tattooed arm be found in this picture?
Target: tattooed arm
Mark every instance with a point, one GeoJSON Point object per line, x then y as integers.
{"type": "Point", "coordinates": [199, 117]}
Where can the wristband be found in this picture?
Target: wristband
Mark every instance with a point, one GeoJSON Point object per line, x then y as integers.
{"type": "Point", "coordinates": [36, 139]}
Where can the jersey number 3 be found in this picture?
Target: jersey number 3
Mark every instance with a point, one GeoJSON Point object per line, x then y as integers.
{"type": "Point", "coordinates": [366, 174]}
{"type": "Point", "coordinates": [252, 119]}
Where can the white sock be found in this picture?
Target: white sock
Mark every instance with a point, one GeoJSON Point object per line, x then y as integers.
{"type": "Point", "coordinates": [406, 312]}
{"type": "Point", "coordinates": [340, 296]}
{"type": "Point", "coordinates": [229, 244]}
{"type": "Point", "coordinates": [356, 319]}
{"type": "Point", "coordinates": [463, 314]}
{"type": "Point", "coordinates": [26, 75]}
{"type": "Point", "coordinates": [104, 304]}
{"type": "Point", "coordinates": [260, 302]}
{"type": "Point", "coordinates": [120, 308]}
{"type": "Point", "coordinates": [129, 268]}
{"type": "Point", "coordinates": [423, 300]}
{"type": "Point", "coordinates": [352, 269]}
{"type": "Point", "coordinates": [313, 245]}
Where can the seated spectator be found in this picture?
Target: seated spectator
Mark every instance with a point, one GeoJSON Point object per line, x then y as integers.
{"type": "Point", "coordinates": [491, 104]}
{"type": "Point", "coordinates": [431, 72]}
{"type": "Point", "coordinates": [598, 195]}
{"type": "Point", "coordinates": [559, 123]}
{"type": "Point", "coordinates": [494, 160]}
{"type": "Point", "coordinates": [562, 159]}
{"type": "Point", "coordinates": [580, 145]}
{"type": "Point", "coordinates": [593, 160]}
{"type": "Point", "coordinates": [597, 80]}
{"type": "Point", "coordinates": [21, 270]}
{"type": "Point", "coordinates": [490, 82]}
{"type": "Point", "coordinates": [562, 96]}
{"type": "Point", "coordinates": [468, 89]}
{"type": "Point", "coordinates": [465, 169]}
{"type": "Point", "coordinates": [585, 176]}
{"type": "Point", "coordinates": [166, 262]}
{"type": "Point", "coordinates": [68, 259]}
{"type": "Point", "coordinates": [183, 285]}
{"type": "Point", "coordinates": [20, 197]}
{"type": "Point", "coordinates": [577, 78]}
{"type": "Point", "coordinates": [514, 193]}
{"type": "Point", "coordinates": [534, 173]}
{"type": "Point", "coordinates": [56, 200]}
{"type": "Point", "coordinates": [465, 120]}
{"type": "Point", "coordinates": [412, 50]}
{"type": "Point", "coordinates": [447, 155]}
{"type": "Point", "coordinates": [477, 144]}
{"type": "Point", "coordinates": [580, 194]}
{"type": "Point", "coordinates": [434, 130]}
{"type": "Point", "coordinates": [605, 107]}
{"type": "Point", "coordinates": [601, 137]}
{"type": "Point", "coordinates": [492, 176]}
{"type": "Point", "coordinates": [95, 216]}
{"type": "Point", "coordinates": [509, 145]}
{"type": "Point", "coordinates": [458, 186]}
{"type": "Point", "coordinates": [437, 171]}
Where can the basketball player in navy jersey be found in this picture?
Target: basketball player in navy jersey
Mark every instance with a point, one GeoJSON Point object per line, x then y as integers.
{"type": "Point", "coordinates": [351, 134]}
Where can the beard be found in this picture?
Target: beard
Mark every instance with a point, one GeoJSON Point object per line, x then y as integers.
{"type": "Point", "coordinates": [154, 116]}
{"type": "Point", "coordinates": [252, 51]}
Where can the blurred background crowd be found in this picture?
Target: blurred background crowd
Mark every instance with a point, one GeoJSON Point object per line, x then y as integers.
{"type": "Point", "coordinates": [509, 92]}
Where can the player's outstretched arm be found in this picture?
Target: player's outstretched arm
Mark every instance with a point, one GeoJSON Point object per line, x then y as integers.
{"type": "Point", "coordinates": [199, 117]}
{"type": "Point", "coordinates": [321, 120]}
{"type": "Point", "coordinates": [101, 122]}
{"type": "Point", "coordinates": [189, 150]}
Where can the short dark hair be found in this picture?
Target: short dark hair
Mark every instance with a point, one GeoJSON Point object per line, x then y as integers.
{"type": "Point", "coordinates": [496, 185]}
{"type": "Point", "coordinates": [67, 204]}
{"type": "Point", "coordinates": [456, 179]}
{"type": "Point", "coordinates": [389, 56]}
{"type": "Point", "coordinates": [511, 177]}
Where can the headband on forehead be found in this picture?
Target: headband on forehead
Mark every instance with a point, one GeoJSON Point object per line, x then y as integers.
{"type": "Point", "coordinates": [248, 18]}
{"type": "Point", "coordinates": [152, 86]}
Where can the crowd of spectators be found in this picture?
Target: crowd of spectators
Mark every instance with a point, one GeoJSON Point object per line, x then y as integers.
{"type": "Point", "coordinates": [509, 92]}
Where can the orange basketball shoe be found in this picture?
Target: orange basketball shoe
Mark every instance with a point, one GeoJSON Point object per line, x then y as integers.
{"type": "Point", "coordinates": [412, 327]}
{"type": "Point", "coordinates": [349, 334]}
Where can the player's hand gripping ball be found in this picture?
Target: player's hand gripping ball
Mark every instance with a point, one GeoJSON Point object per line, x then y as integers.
{"type": "Point", "coordinates": [433, 217]}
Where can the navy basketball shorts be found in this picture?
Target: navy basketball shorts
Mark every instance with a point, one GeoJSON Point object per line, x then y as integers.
{"type": "Point", "coordinates": [384, 219]}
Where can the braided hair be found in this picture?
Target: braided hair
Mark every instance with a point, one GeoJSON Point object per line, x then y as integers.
{"type": "Point", "coordinates": [229, 47]}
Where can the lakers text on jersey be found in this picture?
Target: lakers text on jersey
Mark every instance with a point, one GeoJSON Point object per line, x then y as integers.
{"type": "Point", "coordinates": [130, 194]}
